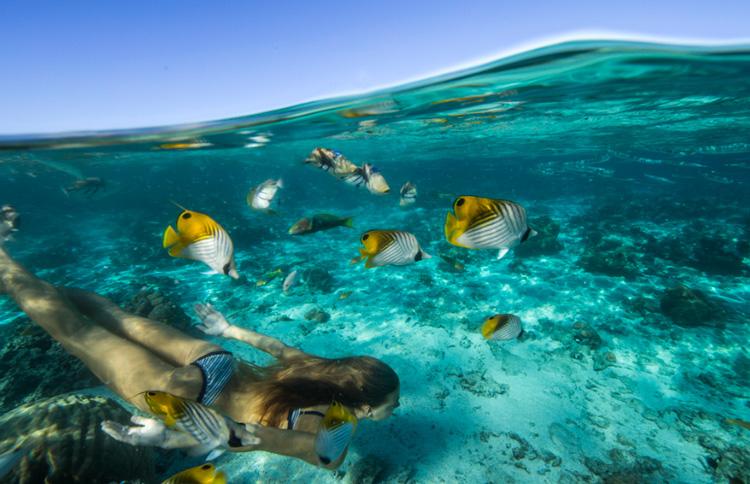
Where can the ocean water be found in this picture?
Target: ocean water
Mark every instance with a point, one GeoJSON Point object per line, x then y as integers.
{"type": "Point", "coordinates": [632, 161]}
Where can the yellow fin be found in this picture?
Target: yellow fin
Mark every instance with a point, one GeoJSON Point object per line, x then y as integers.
{"type": "Point", "coordinates": [489, 327]}
{"type": "Point", "coordinates": [171, 237]}
{"type": "Point", "coordinates": [369, 264]}
{"type": "Point", "coordinates": [169, 420]}
{"type": "Point", "coordinates": [176, 249]}
{"type": "Point", "coordinates": [220, 478]}
{"type": "Point", "coordinates": [450, 225]}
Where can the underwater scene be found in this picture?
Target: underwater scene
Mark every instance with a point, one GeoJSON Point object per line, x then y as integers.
{"type": "Point", "coordinates": [551, 252]}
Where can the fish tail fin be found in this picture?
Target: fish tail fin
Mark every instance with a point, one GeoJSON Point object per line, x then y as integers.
{"type": "Point", "coordinates": [280, 183]}
{"type": "Point", "coordinates": [450, 226]}
{"type": "Point", "coordinates": [171, 237]}
{"type": "Point", "coordinates": [349, 222]}
{"type": "Point", "coordinates": [424, 255]}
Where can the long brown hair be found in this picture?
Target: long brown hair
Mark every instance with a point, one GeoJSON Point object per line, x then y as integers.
{"type": "Point", "coordinates": [308, 381]}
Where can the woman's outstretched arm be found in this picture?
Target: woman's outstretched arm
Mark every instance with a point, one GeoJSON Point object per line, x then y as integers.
{"type": "Point", "coordinates": [214, 323]}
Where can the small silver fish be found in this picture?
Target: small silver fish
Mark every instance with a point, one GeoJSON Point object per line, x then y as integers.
{"type": "Point", "coordinates": [289, 281]}
{"type": "Point", "coordinates": [260, 197]}
{"type": "Point", "coordinates": [408, 194]}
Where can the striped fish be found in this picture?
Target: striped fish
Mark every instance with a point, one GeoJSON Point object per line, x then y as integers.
{"type": "Point", "coordinates": [335, 433]}
{"type": "Point", "coordinates": [502, 327]}
{"type": "Point", "coordinates": [332, 162]}
{"type": "Point", "coordinates": [203, 474]}
{"type": "Point", "coordinates": [369, 177]}
{"type": "Point", "coordinates": [390, 247]}
{"type": "Point", "coordinates": [486, 223]}
{"type": "Point", "coordinates": [337, 165]}
{"type": "Point", "coordinates": [260, 197]}
{"type": "Point", "coordinates": [198, 237]}
{"type": "Point", "coordinates": [408, 194]}
{"type": "Point", "coordinates": [205, 425]}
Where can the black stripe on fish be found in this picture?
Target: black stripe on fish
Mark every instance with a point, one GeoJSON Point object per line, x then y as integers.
{"type": "Point", "coordinates": [526, 235]}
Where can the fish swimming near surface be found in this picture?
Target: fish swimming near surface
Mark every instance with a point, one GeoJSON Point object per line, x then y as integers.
{"type": "Point", "coordinates": [204, 424]}
{"type": "Point", "coordinates": [319, 222]}
{"type": "Point", "coordinates": [390, 247]}
{"type": "Point", "coordinates": [408, 194]}
{"type": "Point", "coordinates": [202, 474]}
{"type": "Point", "coordinates": [10, 459]}
{"type": "Point", "coordinates": [335, 433]}
{"type": "Point", "coordinates": [339, 166]}
{"type": "Point", "coordinates": [260, 197]}
{"type": "Point", "coordinates": [332, 162]}
{"type": "Point", "coordinates": [199, 237]}
{"type": "Point", "coordinates": [289, 281]}
{"type": "Point", "coordinates": [369, 177]}
{"type": "Point", "coordinates": [486, 223]}
{"type": "Point", "coordinates": [502, 327]}
{"type": "Point", "coordinates": [88, 186]}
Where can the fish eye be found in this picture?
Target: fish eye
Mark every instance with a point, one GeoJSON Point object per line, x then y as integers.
{"type": "Point", "coordinates": [460, 202]}
{"type": "Point", "coordinates": [365, 237]}
{"type": "Point", "coordinates": [151, 394]}
{"type": "Point", "coordinates": [206, 467]}
{"type": "Point", "coordinates": [186, 215]}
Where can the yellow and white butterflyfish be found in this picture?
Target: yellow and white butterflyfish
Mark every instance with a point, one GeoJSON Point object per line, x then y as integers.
{"type": "Point", "coordinates": [202, 474]}
{"type": "Point", "coordinates": [486, 223]}
{"type": "Point", "coordinates": [199, 237]}
{"type": "Point", "coordinates": [502, 327]}
{"type": "Point", "coordinates": [390, 247]}
{"type": "Point", "coordinates": [335, 433]}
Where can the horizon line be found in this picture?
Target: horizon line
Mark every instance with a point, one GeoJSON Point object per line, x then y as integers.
{"type": "Point", "coordinates": [463, 68]}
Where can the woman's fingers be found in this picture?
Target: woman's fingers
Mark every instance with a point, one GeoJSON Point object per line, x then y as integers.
{"type": "Point", "coordinates": [202, 310]}
{"type": "Point", "coordinates": [250, 435]}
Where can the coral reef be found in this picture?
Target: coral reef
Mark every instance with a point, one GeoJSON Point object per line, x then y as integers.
{"type": "Point", "coordinates": [688, 307]}
{"type": "Point", "coordinates": [63, 443]}
{"type": "Point", "coordinates": [35, 366]}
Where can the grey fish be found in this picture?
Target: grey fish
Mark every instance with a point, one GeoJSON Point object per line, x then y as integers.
{"type": "Point", "coordinates": [319, 222]}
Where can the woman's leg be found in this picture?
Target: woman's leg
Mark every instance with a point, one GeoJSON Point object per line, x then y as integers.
{"type": "Point", "coordinates": [168, 343]}
{"type": "Point", "coordinates": [127, 368]}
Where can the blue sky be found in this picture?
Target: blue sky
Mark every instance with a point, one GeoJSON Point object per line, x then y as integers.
{"type": "Point", "coordinates": [118, 64]}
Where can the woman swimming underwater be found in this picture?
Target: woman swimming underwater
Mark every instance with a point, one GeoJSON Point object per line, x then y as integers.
{"type": "Point", "coordinates": [281, 405]}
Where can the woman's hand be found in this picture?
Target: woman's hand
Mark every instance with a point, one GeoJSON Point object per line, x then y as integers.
{"type": "Point", "coordinates": [147, 431]}
{"type": "Point", "coordinates": [212, 321]}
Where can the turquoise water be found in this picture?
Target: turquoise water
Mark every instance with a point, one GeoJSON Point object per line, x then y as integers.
{"type": "Point", "coordinates": [632, 161]}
